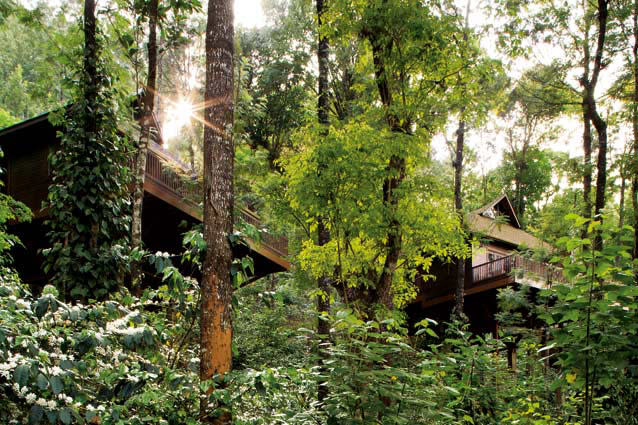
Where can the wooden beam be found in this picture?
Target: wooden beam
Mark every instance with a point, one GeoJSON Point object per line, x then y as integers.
{"type": "Point", "coordinates": [498, 283]}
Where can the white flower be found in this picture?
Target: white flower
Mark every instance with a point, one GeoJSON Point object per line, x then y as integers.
{"type": "Point", "coordinates": [52, 404]}
{"type": "Point", "coordinates": [41, 402]}
{"type": "Point", "coordinates": [25, 305]}
{"type": "Point", "coordinates": [101, 408]}
{"type": "Point", "coordinates": [56, 371]}
{"type": "Point", "coordinates": [31, 398]}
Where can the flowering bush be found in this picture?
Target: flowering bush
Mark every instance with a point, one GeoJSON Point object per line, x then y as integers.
{"type": "Point", "coordinates": [113, 362]}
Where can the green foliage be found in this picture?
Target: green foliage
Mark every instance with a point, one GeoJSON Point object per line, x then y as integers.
{"type": "Point", "coordinates": [35, 60]}
{"type": "Point", "coordinates": [6, 119]}
{"type": "Point", "coordinates": [266, 319]}
{"type": "Point", "coordinates": [113, 362]}
{"type": "Point", "coordinates": [595, 314]}
{"type": "Point", "coordinates": [88, 198]}
{"type": "Point", "coordinates": [348, 194]}
{"type": "Point", "coordinates": [525, 177]}
{"type": "Point", "coordinates": [274, 80]}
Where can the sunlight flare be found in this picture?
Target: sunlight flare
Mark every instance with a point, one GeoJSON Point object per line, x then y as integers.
{"type": "Point", "coordinates": [178, 116]}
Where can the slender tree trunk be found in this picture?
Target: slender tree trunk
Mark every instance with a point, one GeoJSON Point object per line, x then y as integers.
{"type": "Point", "coordinates": [323, 283]}
{"type": "Point", "coordinates": [587, 166]}
{"type": "Point", "coordinates": [591, 115]}
{"type": "Point", "coordinates": [599, 124]}
{"type": "Point", "coordinates": [621, 209]}
{"type": "Point", "coordinates": [216, 290]}
{"type": "Point", "coordinates": [458, 205]}
{"type": "Point", "coordinates": [90, 62]}
{"type": "Point", "coordinates": [601, 163]}
{"type": "Point", "coordinates": [634, 120]}
{"type": "Point", "coordinates": [146, 128]}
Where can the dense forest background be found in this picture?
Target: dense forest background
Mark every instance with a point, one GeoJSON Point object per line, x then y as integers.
{"type": "Point", "coordinates": [364, 132]}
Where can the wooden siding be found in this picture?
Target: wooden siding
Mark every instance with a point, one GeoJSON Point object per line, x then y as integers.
{"type": "Point", "coordinates": [28, 177]}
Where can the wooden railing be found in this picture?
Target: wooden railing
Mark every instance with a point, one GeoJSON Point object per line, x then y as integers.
{"type": "Point", "coordinates": [518, 266]}
{"type": "Point", "coordinates": [188, 187]}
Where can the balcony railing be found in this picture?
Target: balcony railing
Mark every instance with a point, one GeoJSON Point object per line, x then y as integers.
{"type": "Point", "coordinates": [520, 268]}
{"type": "Point", "coordinates": [189, 188]}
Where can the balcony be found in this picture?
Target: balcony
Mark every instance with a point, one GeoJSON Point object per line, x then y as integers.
{"type": "Point", "coordinates": [491, 275]}
{"type": "Point", "coordinates": [167, 179]}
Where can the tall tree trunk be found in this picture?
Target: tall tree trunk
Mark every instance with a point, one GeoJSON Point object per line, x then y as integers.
{"type": "Point", "coordinates": [89, 64]}
{"type": "Point", "coordinates": [323, 283]}
{"type": "Point", "coordinates": [216, 290]}
{"type": "Point", "coordinates": [587, 166]}
{"type": "Point", "coordinates": [458, 205]}
{"type": "Point", "coordinates": [634, 121]}
{"type": "Point", "coordinates": [599, 124]}
{"type": "Point", "coordinates": [591, 115]}
{"type": "Point", "coordinates": [623, 185]}
{"type": "Point", "coordinates": [395, 170]}
{"type": "Point", "coordinates": [147, 125]}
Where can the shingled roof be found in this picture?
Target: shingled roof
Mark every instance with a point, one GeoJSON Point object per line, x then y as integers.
{"type": "Point", "coordinates": [483, 221]}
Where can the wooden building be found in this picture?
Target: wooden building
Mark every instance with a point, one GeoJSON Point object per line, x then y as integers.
{"type": "Point", "coordinates": [170, 200]}
{"type": "Point", "coordinates": [495, 264]}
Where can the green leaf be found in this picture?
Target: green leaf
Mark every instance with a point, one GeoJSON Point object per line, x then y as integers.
{"type": "Point", "coordinates": [56, 385]}
{"type": "Point", "coordinates": [65, 415]}
{"type": "Point", "coordinates": [35, 414]}
{"type": "Point", "coordinates": [21, 375]}
{"type": "Point", "coordinates": [42, 381]}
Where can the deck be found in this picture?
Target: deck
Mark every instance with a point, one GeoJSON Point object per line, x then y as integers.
{"type": "Point", "coordinates": [167, 179]}
{"type": "Point", "coordinates": [494, 274]}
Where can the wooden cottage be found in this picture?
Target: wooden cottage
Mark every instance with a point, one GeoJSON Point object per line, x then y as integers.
{"type": "Point", "coordinates": [495, 264]}
{"type": "Point", "coordinates": [170, 200]}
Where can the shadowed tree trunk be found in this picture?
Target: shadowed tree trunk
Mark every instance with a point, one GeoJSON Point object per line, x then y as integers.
{"type": "Point", "coordinates": [458, 205]}
{"type": "Point", "coordinates": [634, 121]}
{"type": "Point", "coordinates": [216, 288]}
{"type": "Point", "coordinates": [146, 129]}
{"type": "Point", "coordinates": [587, 168]}
{"type": "Point", "coordinates": [324, 282]}
{"type": "Point", "coordinates": [621, 203]}
{"type": "Point", "coordinates": [90, 62]}
{"type": "Point", "coordinates": [591, 115]}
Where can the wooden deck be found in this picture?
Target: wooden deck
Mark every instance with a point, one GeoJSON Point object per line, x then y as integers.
{"type": "Point", "coordinates": [494, 274]}
{"type": "Point", "coordinates": [167, 179]}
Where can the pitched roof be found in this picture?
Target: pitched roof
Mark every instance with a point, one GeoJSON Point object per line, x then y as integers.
{"type": "Point", "coordinates": [479, 221]}
{"type": "Point", "coordinates": [504, 232]}
{"type": "Point", "coordinates": [503, 205]}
